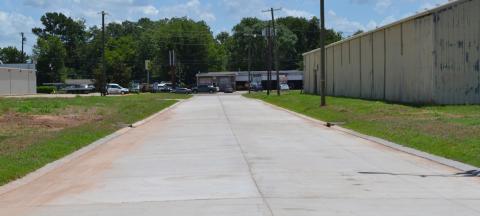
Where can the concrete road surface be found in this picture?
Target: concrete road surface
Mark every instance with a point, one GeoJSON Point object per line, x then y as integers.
{"type": "Point", "coordinates": [227, 155]}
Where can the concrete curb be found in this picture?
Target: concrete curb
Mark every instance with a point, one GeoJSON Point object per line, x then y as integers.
{"type": "Point", "coordinates": [84, 150]}
{"type": "Point", "coordinates": [441, 160]}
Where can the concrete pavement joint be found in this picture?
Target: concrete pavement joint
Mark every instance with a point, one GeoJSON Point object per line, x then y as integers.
{"type": "Point", "coordinates": [82, 151]}
{"type": "Point", "coordinates": [245, 158]}
{"type": "Point", "coordinates": [441, 160]}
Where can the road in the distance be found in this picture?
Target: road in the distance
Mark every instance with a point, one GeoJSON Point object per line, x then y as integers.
{"type": "Point", "coordinates": [228, 155]}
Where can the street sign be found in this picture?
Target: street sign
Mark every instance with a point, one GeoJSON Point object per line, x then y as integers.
{"type": "Point", "coordinates": [148, 65]}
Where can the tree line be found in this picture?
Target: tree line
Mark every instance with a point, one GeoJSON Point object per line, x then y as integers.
{"type": "Point", "coordinates": [67, 48]}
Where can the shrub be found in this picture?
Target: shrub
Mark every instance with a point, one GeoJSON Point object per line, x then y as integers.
{"type": "Point", "coordinates": [46, 89]}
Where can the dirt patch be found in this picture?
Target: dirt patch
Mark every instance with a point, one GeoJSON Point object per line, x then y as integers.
{"type": "Point", "coordinates": [17, 121]}
{"type": "Point", "coordinates": [20, 130]}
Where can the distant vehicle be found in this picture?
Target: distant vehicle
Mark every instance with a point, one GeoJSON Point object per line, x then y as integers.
{"type": "Point", "coordinates": [284, 87]}
{"type": "Point", "coordinates": [180, 90]}
{"type": "Point", "coordinates": [79, 89]}
{"type": "Point", "coordinates": [165, 87]}
{"type": "Point", "coordinates": [204, 89]}
{"type": "Point", "coordinates": [114, 88]}
{"type": "Point", "coordinates": [134, 87]}
{"type": "Point", "coordinates": [256, 87]}
{"type": "Point", "coordinates": [228, 89]}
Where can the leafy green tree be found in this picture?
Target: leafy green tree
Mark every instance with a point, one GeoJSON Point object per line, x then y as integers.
{"type": "Point", "coordinates": [50, 54]}
{"type": "Point", "coordinates": [72, 34]}
{"type": "Point", "coordinates": [11, 55]}
{"type": "Point", "coordinates": [119, 54]}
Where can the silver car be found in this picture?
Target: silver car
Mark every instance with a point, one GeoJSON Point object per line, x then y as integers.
{"type": "Point", "coordinates": [179, 90]}
{"type": "Point", "coordinates": [114, 88]}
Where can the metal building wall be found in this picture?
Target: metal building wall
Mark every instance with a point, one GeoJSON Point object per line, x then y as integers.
{"type": "Point", "coordinates": [17, 81]}
{"type": "Point", "coordinates": [429, 58]}
{"type": "Point", "coordinates": [457, 48]}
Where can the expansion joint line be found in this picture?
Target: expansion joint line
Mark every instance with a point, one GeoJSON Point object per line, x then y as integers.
{"type": "Point", "coordinates": [242, 151]}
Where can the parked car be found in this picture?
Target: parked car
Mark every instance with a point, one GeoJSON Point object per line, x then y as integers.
{"type": "Point", "coordinates": [180, 90]}
{"type": "Point", "coordinates": [228, 89]}
{"type": "Point", "coordinates": [79, 89]}
{"type": "Point", "coordinates": [284, 87]}
{"type": "Point", "coordinates": [204, 89]}
{"type": "Point", "coordinates": [165, 87]}
{"type": "Point", "coordinates": [134, 87]}
{"type": "Point", "coordinates": [114, 88]}
{"type": "Point", "coordinates": [256, 87]}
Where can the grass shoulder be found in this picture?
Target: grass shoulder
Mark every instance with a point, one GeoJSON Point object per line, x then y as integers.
{"type": "Point", "coordinates": [37, 131]}
{"type": "Point", "coordinates": [449, 131]}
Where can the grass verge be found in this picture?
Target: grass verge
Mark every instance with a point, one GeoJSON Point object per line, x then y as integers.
{"type": "Point", "coordinates": [37, 131]}
{"type": "Point", "coordinates": [449, 131]}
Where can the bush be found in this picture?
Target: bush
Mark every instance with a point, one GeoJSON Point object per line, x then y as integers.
{"type": "Point", "coordinates": [46, 89]}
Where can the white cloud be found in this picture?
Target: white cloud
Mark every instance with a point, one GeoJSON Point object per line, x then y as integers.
{"type": "Point", "coordinates": [245, 8]}
{"type": "Point", "coordinates": [192, 9]}
{"type": "Point", "coordinates": [125, 9]}
{"type": "Point", "coordinates": [11, 24]}
{"type": "Point", "coordinates": [297, 13]}
{"type": "Point", "coordinates": [382, 5]}
{"type": "Point", "coordinates": [343, 24]}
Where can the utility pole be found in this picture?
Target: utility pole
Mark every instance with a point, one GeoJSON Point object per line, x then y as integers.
{"type": "Point", "coordinates": [322, 53]}
{"type": "Point", "coordinates": [22, 57]}
{"type": "Point", "coordinates": [103, 82]}
{"type": "Point", "coordinates": [269, 58]}
{"type": "Point", "coordinates": [250, 44]}
{"type": "Point", "coordinates": [249, 67]}
{"type": "Point", "coordinates": [172, 62]}
{"type": "Point", "coordinates": [273, 45]}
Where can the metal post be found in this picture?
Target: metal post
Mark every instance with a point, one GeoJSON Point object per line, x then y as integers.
{"type": "Point", "coordinates": [249, 67]}
{"type": "Point", "coordinates": [322, 53]}
{"type": "Point", "coordinates": [269, 59]}
{"type": "Point", "coordinates": [22, 56]}
{"type": "Point", "coordinates": [275, 50]}
{"type": "Point", "coordinates": [104, 74]}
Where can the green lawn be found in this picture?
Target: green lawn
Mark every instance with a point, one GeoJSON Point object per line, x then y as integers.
{"type": "Point", "coordinates": [449, 131]}
{"type": "Point", "coordinates": [37, 131]}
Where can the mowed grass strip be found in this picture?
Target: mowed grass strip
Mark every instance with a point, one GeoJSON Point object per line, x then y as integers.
{"type": "Point", "coordinates": [37, 131]}
{"type": "Point", "coordinates": [449, 131]}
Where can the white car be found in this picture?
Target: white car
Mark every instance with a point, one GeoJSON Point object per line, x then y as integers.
{"type": "Point", "coordinates": [114, 88]}
{"type": "Point", "coordinates": [284, 87]}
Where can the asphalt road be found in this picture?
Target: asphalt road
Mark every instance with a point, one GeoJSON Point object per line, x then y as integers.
{"type": "Point", "coordinates": [227, 155]}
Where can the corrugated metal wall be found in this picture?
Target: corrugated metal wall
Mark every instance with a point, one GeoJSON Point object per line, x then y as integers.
{"type": "Point", "coordinates": [457, 42]}
{"type": "Point", "coordinates": [17, 81]}
{"type": "Point", "coordinates": [429, 58]}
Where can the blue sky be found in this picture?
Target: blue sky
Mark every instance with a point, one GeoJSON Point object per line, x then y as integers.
{"type": "Point", "coordinates": [343, 15]}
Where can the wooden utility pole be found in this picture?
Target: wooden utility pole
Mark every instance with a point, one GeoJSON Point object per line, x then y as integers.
{"type": "Point", "coordinates": [103, 82]}
{"type": "Point", "coordinates": [22, 56]}
{"type": "Point", "coordinates": [249, 67]}
{"type": "Point", "coordinates": [273, 48]}
{"type": "Point", "coordinates": [172, 68]}
{"type": "Point", "coordinates": [322, 53]}
{"type": "Point", "coordinates": [269, 58]}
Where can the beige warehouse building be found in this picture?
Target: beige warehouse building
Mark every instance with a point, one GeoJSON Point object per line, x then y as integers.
{"type": "Point", "coordinates": [17, 80]}
{"type": "Point", "coordinates": [432, 57]}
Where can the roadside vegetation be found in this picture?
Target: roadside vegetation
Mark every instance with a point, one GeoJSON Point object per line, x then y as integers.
{"type": "Point", "coordinates": [449, 131]}
{"type": "Point", "coordinates": [37, 131]}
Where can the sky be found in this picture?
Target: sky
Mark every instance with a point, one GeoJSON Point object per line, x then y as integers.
{"type": "Point", "coordinates": [346, 16]}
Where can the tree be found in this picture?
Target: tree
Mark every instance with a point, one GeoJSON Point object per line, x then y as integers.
{"type": "Point", "coordinates": [50, 55]}
{"type": "Point", "coordinates": [71, 33]}
{"type": "Point", "coordinates": [11, 55]}
{"type": "Point", "coordinates": [119, 55]}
